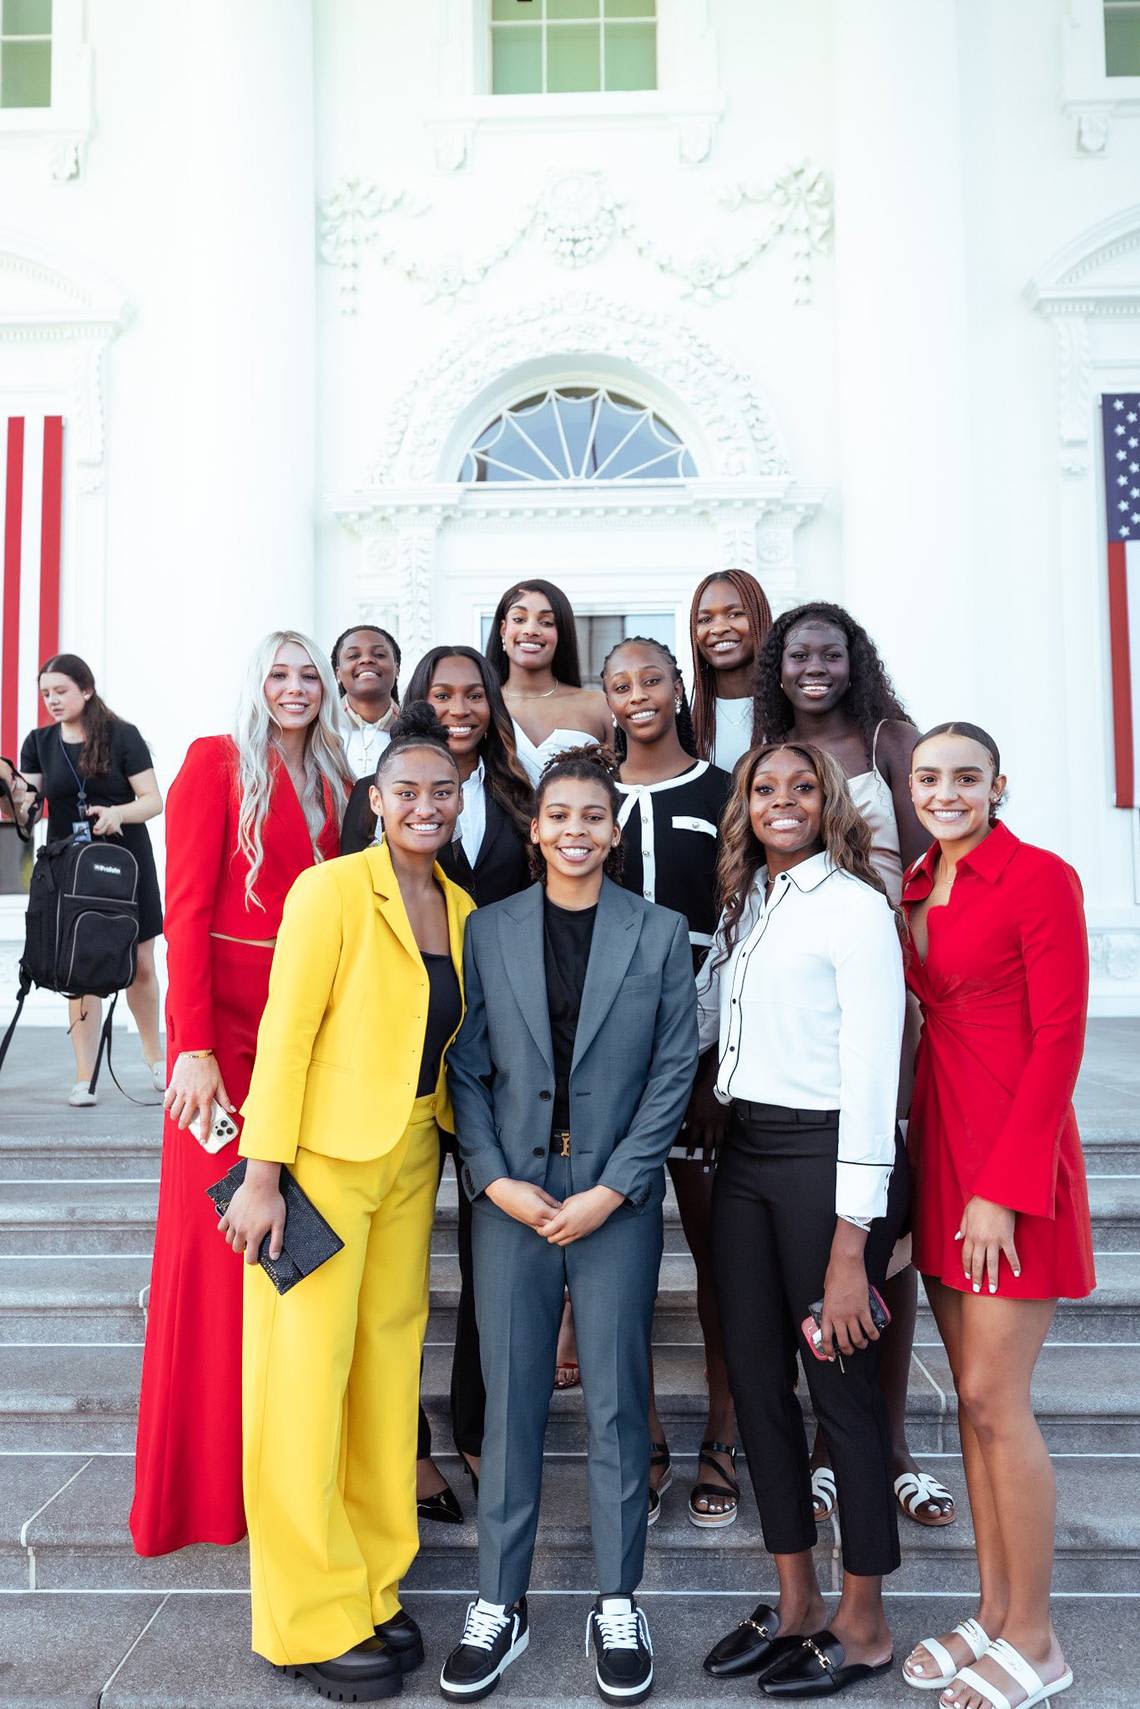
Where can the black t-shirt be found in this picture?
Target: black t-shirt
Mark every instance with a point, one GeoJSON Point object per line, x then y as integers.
{"type": "Point", "coordinates": [45, 751]}
{"type": "Point", "coordinates": [568, 933]}
{"type": "Point", "coordinates": [444, 1008]}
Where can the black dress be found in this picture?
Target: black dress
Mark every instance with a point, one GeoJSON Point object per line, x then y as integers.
{"type": "Point", "coordinates": [44, 752]}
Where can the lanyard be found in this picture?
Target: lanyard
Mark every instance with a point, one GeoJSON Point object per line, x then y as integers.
{"type": "Point", "coordinates": [80, 785]}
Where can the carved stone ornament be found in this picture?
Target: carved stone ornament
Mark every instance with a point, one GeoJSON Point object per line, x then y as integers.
{"type": "Point", "coordinates": [1114, 955]}
{"type": "Point", "coordinates": [1094, 127]}
{"type": "Point", "coordinates": [734, 419]}
{"type": "Point", "coordinates": [578, 218]}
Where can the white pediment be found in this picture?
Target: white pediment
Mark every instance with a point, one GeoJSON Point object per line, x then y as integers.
{"type": "Point", "coordinates": [41, 287]}
{"type": "Point", "coordinates": [1098, 272]}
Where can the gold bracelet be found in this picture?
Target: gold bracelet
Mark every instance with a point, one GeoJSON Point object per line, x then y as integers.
{"type": "Point", "coordinates": [197, 1055]}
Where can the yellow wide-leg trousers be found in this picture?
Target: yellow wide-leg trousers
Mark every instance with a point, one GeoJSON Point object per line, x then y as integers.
{"type": "Point", "coordinates": [330, 1390]}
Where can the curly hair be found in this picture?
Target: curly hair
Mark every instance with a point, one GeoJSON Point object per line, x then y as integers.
{"type": "Point", "coordinates": [870, 694]}
{"type": "Point", "coordinates": [845, 834]}
{"type": "Point", "coordinates": [368, 629]}
{"type": "Point", "coordinates": [506, 780]}
{"type": "Point", "coordinates": [684, 717]}
{"type": "Point", "coordinates": [587, 764]}
{"type": "Point", "coordinates": [98, 719]}
{"type": "Point", "coordinates": [754, 601]}
{"type": "Point", "coordinates": [565, 665]}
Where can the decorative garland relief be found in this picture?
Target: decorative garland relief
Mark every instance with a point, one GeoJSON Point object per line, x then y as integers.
{"type": "Point", "coordinates": [578, 219]}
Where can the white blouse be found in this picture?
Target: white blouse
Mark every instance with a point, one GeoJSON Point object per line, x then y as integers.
{"type": "Point", "coordinates": [733, 732]}
{"type": "Point", "coordinates": [808, 1013]}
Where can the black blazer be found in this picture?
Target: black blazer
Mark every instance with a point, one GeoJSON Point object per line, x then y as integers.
{"type": "Point", "coordinates": [501, 869]}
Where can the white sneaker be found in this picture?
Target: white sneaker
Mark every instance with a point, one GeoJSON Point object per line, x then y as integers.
{"type": "Point", "coordinates": [81, 1096]}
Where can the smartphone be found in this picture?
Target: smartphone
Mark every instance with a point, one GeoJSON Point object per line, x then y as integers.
{"type": "Point", "coordinates": [813, 1334]}
{"type": "Point", "coordinates": [222, 1129]}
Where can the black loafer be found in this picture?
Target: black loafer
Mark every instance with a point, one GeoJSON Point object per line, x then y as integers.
{"type": "Point", "coordinates": [748, 1647]}
{"type": "Point", "coordinates": [363, 1674]}
{"type": "Point", "coordinates": [443, 1507]}
{"type": "Point", "coordinates": [818, 1669]}
{"type": "Point", "coordinates": [404, 1638]}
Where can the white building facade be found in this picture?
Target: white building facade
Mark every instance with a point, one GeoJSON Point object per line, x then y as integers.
{"type": "Point", "coordinates": [362, 309]}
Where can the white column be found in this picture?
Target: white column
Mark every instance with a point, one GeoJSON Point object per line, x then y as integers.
{"type": "Point", "coordinates": [236, 556]}
{"type": "Point", "coordinates": [902, 379]}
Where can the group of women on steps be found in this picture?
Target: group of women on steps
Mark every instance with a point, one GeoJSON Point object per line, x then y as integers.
{"type": "Point", "coordinates": [578, 938]}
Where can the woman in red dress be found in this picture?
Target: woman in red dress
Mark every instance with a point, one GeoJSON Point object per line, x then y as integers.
{"type": "Point", "coordinates": [245, 816]}
{"type": "Point", "coordinates": [999, 962]}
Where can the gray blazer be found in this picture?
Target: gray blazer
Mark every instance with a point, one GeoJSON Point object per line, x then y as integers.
{"type": "Point", "coordinates": [635, 1053]}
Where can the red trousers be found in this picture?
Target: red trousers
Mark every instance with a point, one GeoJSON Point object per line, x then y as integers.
{"type": "Point", "coordinates": [188, 1477]}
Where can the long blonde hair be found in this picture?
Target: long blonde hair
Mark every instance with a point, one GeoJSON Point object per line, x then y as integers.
{"type": "Point", "coordinates": [255, 734]}
{"type": "Point", "coordinates": [845, 834]}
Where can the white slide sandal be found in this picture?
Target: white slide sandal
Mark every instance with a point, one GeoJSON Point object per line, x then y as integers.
{"type": "Point", "coordinates": [974, 1636]}
{"type": "Point", "coordinates": [918, 1489]}
{"type": "Point", "coordinates": [823, 1491]}
{"type": "Point", "coordinates": [1018, 1669]}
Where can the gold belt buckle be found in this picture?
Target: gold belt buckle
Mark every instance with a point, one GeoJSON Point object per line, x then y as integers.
{"type": "Point", "coordinates": [565, 1138]}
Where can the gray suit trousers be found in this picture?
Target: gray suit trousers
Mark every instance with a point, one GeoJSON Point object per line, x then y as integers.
{"type": "Point", "coordinates": [519, 1280]}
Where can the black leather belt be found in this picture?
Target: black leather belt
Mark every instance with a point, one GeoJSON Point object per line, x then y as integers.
{"type": "Point", "coordinates": [779, 1115]}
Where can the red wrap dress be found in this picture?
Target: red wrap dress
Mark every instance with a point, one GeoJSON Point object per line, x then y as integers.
{"type": "Point", "coordinates": [188, 1477]}
{"type": "Point", "coordinates": [1004, 994]}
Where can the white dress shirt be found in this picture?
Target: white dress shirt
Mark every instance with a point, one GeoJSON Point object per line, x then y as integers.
{"type": "Point", "coordinates": [471, 825]}
{"type": "Point", "coordinates": [364, 742]}
{"type": "Point", "coordinates": [808, 1012]}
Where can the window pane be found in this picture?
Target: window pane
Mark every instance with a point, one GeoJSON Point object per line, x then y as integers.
{"type": "Point", "coordinates": [523, 11]}
{"type": "Point", "coordinates": [1122, 42]}
{"type": "Point", "coordinates": [573, 58]}
{"type": "Point", "coordinates": [631, 56]}
{"type": "Point", "coordinates": [630, 8]}
{"type": "Point", "coordinates": [572, 8]}
{"type": "Point", "coordinates": [27, 18]}
{"type": "Point", "coordinates": [517, 61]}
{"type": "Point", "coordinates": [25, 74]}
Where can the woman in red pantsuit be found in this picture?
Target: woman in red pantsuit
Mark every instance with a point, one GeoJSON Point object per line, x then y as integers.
{"type": "Point", "coordinates": [999, 962]}
{"type": "Point", "coordinates": [245, 816]}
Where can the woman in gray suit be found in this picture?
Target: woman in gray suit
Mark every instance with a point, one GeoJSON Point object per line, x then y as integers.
{"type": "Point", "coordinates": [569, 1077]}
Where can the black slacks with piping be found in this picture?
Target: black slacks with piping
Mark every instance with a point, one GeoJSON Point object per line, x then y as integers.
{"type": "Point", "coordinates": [773, 1218]}
{"type": "Point", "coordinates": [468, 1398]}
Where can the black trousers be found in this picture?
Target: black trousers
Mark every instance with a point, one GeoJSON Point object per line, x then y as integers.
{"type": "Point", "coordinates": [773, 1218]}
{"type": "Point", "coordinates": [468, 1398]}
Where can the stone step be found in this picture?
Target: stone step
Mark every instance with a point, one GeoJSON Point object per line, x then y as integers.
{"type": "Point", "coordinates": [99, 1298]}
{"type": "Point", "coordinates": [158, 1651]}
{"type": "Point", "coordinates": [117, 1216]}
{"type": "Point", "coordinates": [65, 1528]}
{"type": "Point", "coordinates": [105, 1155]}
{"type": "Point", "coordinates": [73, 1399]}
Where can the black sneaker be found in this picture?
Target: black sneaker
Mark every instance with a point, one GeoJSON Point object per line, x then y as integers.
{"type": "Point", "coordinates": [493, 1637]}
{"type": "Point", "coordinates": [623, 1653]}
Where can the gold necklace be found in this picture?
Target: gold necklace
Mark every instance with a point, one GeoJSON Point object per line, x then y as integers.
{"type": "Point", "coordinates": [518, 693]}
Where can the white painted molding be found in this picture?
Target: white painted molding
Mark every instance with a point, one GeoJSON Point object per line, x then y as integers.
{"type": "Point", "coordinates": [1091, 99]}
{"type": "Point", "coordinates": [712, 403]}
{"type": "Point", "coordinates": [61, 131]}
{"type": "Point", "coordinates": [578, 218]}
{"type": "Point", "coordinates": [1114, 955]}
{"type": "Point", "coordinates": [1066, 291]}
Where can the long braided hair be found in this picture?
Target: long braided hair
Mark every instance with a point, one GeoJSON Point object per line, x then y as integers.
{"type": "Point", "coordinates": [754, 601]}
{"type": "Point", "coordinates": [684, 716]}
{"type": "Point", "coordinates": [870, 695]}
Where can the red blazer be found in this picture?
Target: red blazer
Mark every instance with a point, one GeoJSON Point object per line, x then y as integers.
{"type": "Point", "coordinates": [205, 874]}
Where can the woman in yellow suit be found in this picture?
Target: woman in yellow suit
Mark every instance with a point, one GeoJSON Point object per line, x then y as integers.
{"type": "Point", "coordinates": [348, 1087]}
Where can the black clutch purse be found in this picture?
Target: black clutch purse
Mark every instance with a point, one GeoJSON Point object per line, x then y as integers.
{"type": "Point", "coordinates": [308, 1241]}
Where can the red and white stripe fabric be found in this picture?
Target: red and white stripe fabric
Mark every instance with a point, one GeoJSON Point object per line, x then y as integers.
{"type": "Point", "coordinates": [1124, 647]}
{"type": "Point", "coordinates": [31, 509]}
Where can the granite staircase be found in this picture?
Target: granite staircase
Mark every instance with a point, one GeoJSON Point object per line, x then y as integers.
{"type": "Point", "coordinates": [84, 1622]}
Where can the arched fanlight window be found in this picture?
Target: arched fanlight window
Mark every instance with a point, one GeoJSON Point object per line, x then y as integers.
{"type": "Point", "coordinates": [577, 433]}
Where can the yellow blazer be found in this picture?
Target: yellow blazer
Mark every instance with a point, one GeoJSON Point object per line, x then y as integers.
{"type": "Point", "coordinates": [339, 1046]}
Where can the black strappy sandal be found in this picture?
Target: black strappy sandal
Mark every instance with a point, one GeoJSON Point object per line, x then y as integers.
{"type": "Point", "coordinates": [659, 1456]}
{"type": "Point", "coordinates": [728, 1491]}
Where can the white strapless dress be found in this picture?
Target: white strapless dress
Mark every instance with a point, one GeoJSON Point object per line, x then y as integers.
{"type": "Point", "coordinates": [534, 756]}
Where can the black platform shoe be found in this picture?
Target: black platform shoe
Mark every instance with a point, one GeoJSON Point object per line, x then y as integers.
{"type": "Point", "coordinates": [363, 1674]}
{"type": "Point", "coordinates": [404, 1638]}
{"type": "Point", "coordinates": [750, 1647]}
{"type": "Point", "coordinates": [819, 1669]}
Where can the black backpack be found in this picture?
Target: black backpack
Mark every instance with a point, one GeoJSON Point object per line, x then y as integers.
{"type": "Point", "coordinates": [82, 927]}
